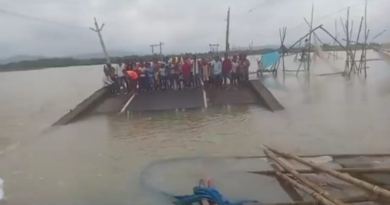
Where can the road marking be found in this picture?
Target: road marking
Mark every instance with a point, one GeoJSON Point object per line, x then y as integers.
{"type": "Point", "coordinates": [204, 94]}
{"type": "Point", "coordinates": [128, 103]}
{"type": "Point", "coordinates": [204, 98]}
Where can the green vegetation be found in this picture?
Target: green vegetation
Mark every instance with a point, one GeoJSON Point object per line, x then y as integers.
{"type": "Point", "coordinates": [65, 62]}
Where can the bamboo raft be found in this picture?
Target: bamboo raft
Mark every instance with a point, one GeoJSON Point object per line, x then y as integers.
{"type": "Point", "coordinates": [328, 180]}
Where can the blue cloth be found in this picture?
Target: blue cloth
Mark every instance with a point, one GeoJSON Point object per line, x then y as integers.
{"type": "Point", "coordinates": [217, 68]}
{"type": "Point", "coordinates": [270, 59]}
{"type": "Point", "coordinates": [167, 68]}
{"type": "Point", "coordinates": [150, 72]}
{"type": "Point", "coordinates": [208, 193]}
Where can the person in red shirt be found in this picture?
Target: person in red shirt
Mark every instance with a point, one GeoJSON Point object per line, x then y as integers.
{"type": "Point", "coordinates": [186, 72]}
{"type": "Point", "coordinates": [226, 69]}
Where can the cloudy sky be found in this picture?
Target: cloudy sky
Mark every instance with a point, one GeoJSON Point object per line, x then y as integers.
{"type": "Point", "coordinates": [61, 27]}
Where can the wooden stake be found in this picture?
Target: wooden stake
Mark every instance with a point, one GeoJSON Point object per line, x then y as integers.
{"type": "Point", "coordinates": [356, 199]}
{"type": "Point", "coordinates": [320, 26]}
{"type": "Point", "coordinates": [354, 53]}
{"type": "Point", "coordinates": [334, 42]}
{"type": "Point", "coordinates": [348, 49]}
{"type": "Point", "coordinates": [365, 40]}
{"type": "Point", "coordinates": [341, 45]}
{"type": "Point", "coordinates": [311, 28]}
{"type": "Point", "coordinates": [359, 183]}
{"type": "Point", "coordinates": [301, 178]}
{"type": "Point", "coordinates": [342, 170]}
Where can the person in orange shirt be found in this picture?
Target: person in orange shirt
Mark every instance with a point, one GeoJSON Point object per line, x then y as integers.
{"type": "Point", "coordinates": [133, 76]}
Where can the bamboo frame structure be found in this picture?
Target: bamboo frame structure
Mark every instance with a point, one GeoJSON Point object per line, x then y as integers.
{"type": "Point", "coordinates": [350, 47]}
{"type": "Point", "coordinates": [375, 190]}
{"type": "Point", "coordinates": [302, 179]}
{"type": "Point", "coordinates": [354, 53]}
{"type": "Point", "coordinates": [342, 170]}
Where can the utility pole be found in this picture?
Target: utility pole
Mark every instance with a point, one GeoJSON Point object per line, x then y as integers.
{"type": "Point", "coordinates": [161, 44]}
{"type": "Point", "coordinates": [214, 47]}
{"type": "Point", "coordinates": [98, 31]}
{"type": "Point", "coordinates": [158, 45]}
{"type": "Point", "coordinates": [227, 30]}
{"type": "Point", "coordinates": [152, 46]}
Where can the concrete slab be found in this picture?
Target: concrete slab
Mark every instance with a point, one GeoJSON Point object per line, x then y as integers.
{"type": "Point", "coordinates": [111, 104]}
{"type": "Point", "coordinates": [265, 95]}
{"type": "Point", "coordinates": [241, 95]}
{"type": "Point", "coordinates": [83, 107]}
{"type": "Point", "coordinates": [167, 100]}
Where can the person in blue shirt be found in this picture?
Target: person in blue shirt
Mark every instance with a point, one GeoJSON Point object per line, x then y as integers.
{"type": "Point", "coordinates": [217, 72]}
{"type": "Point", "coordinates": [150, 74]}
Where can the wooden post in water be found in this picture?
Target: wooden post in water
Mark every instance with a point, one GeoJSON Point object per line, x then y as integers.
{"type": "Point", "coordinates": [311, 29]}
{"type": "Point", "coordinates": [377, 191]}
{"type": "Point", "coordinates": [354, 53]}
{"type": "Point", "coordinates": [334, 42]}
{"type": "Point", "coordinates": [347, 35]}
{"type": "Point", "coordinates": [365, 40]}
{"type": "Point", "coordinates": [282, 36]}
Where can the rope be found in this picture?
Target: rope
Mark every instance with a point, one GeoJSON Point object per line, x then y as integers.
{"type": "Point", "coordinates": [208, 193]}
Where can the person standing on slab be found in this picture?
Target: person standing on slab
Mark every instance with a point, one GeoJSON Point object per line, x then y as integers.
{"type": "Point", "coordinates": [217, 72]}
{"type": "Point", "coordinates": [226, 70]}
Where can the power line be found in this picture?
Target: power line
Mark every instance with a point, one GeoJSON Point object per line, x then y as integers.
{"type": "Point", "coordinates": [41, 20]}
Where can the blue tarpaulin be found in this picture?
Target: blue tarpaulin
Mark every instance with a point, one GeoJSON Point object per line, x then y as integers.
{"type": "Point", "coordinates": [270, 59]}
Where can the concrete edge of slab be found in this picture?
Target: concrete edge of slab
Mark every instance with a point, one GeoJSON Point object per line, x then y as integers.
{"type": "Point", "coordinates": [81, 108]}
{"type": "Point", "coordinates": [265, 95]}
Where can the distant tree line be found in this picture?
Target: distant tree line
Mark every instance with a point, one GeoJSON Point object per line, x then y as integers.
{"type": "Point", "coordinates": [66, 62]}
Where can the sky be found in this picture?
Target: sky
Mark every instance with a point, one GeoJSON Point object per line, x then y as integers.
{"type": "Point", "coordinates": [61, 27]}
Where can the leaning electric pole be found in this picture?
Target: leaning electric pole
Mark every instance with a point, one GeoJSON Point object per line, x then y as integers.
{"type": "Point", "coordinates": [227, 30]}
{"type": "Point", "coordinates": [98, 31]}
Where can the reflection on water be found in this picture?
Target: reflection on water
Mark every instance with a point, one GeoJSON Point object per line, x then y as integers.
{"type": "Point", "coordinates": [100, 160]}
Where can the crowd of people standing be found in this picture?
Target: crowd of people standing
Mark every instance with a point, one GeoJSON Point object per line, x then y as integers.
{"type": "Point", "coordinates": [177, 73]}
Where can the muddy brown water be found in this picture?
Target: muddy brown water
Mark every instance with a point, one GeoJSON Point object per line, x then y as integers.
{"type": "Point", "coordinates": [108, 159]}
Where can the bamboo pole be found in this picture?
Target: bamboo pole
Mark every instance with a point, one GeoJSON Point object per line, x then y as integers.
{"type": "Point", "coordinates": [334, 42]}
{"type": "Point", "coordinates": [315, 35]}
{"type": "Point", "coordinates": [281, 46]}
{"type": "Point", "coordinates": [347, 34]}
{"type": "Point", "coordinates": [338, 156]}
{"type": "Point", "coordinates": [301, 178]}
{"type": "Point", "coordinates": [359, 183]}
{"type": "Point", "coordinates": [341, 45]}
{"type": "Point", "coordinates": [365, 40]}
{"type": "Point", "coordinates": [356, 199]}
{"type": "Point", "coordinates": [312, 193]}
{"type": "Point", "coordinates": [311, 28]}
{"type": "Point", "coordinates": [342, 170]}
{"type": "Point", "coordinates": [351, 30]}
{"type": "Point", "coordinates": [292, 46]}
{"type": "Point", "coordinates": [284, 38]}
{"type": "Point", "coordinates": [296, 55]}
{"type": "Point", "coordinates": [343, 26]}
{"type": "Point", "coordinates": [354, 53]}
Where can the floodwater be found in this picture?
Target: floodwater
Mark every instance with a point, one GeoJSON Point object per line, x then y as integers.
{"type": "Point", "coordinates": [126, 159]}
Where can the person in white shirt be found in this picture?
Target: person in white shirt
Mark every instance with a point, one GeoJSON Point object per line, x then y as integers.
{"type": "Point", "coordinates": [205, 72]}
{"type": "Point", "coordinates": [120, 76]}
{"type": "Point", "coordinates": [163, 76]}
{"type": "Point", "coordinates": [108, 83]}
{"type": "Point", "coordinates": [234, 71]}
{"type": "Point", "coordinates": [195, 71]}
{"type": "Point", "coordinates": [143, 79]}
